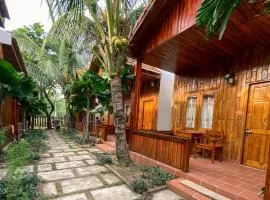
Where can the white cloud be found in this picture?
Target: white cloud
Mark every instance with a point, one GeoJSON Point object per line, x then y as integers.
{"type": "Point", "coordinates": [27, 12]}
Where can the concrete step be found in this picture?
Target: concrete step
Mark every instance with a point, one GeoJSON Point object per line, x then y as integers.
{"type": "Point", "coordinates": [185, 191]}
{"type": "Point", "coordinates": [202, 190]}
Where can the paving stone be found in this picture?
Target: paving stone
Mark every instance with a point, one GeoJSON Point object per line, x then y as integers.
{"type": "Point", "coordinates": [92, 149]}
{"type": "Point", "coordinates": [71, 164]}
{"type": "Point", "coordinates": [91, 162]}
{"type": "Point", "coordinates": [53, 160]}
{"type": "Point", "coordinates": [81, 196]}
{"type": "Point", "coordinates": [110, 178]}
{"type": "Point", "coordinates": [45, 155]}
{"type": "Point", "coordinates": [72, 150]}
{"type": "Point", "coordinates": [28, 169]}
{"type": "Point", "coordinates": [3, 173]}
{"type": "Point", "coordinates": [63, 154]}
{"type": "Point", "coordinates": [49, 189]}
{"type": "Point", "coordinates": [79, 184]}
{"type": "Point", "coordinates": [82, 152]}
{"type": "Point", "coordinates": [166, 194]}
{"type": "Point", "coordinates": [120, 192]}
{"type": "Point", "coordinates": [56, 175]}
{"type": "Point", "coordinates": [55, 151]}
{"type": "Point", "coordinates": [44, 167]}
{"type": "Point", "coordinates": [96, 169]}
{"type": "Point", "coordinates": [61, 147]}
{"type": "Point", "coordinates": [81, 157]}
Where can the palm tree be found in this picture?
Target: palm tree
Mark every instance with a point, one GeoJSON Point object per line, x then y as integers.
{"type": "Point", "coordinates": [56, 62]}
{"type": "Point", "coordinates": [214, 15]}
{"type": "Point", "coordinates": [113, 20]}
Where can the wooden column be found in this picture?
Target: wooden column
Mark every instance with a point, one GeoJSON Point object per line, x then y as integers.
{"type": "Point", "coordinates": [135, 99]}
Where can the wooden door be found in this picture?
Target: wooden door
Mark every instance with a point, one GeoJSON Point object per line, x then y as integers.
{"type": "Point", "coordinates": [257, 133]}
{"type": "Point", "coordinates": [148, 114]}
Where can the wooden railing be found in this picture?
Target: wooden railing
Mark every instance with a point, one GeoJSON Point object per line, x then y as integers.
{"type": "Point", "coordinates": [165, 148]}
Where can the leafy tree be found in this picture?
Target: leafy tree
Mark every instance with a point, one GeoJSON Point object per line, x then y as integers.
{"type": "Point", "coordinates": [112, 24]}
{"type": "Point", "coordinates": [13, 84]}
{"type": "Point", "coordinates": [214, 15]}
{"type": "Point", "coordinates": [55, 63]}
{"type": "Point", "coordinates": [36, 34]}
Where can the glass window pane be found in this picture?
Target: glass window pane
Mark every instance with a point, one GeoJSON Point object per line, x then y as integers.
{"type": "Point", "coordinates": [191, 112]}
{"type": "Point", "coordinates": [207, 111]}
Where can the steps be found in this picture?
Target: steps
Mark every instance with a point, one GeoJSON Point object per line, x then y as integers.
{"type": "Point", "coordinates": [192, 191]}
{"type": "Point", "coordinates": [204, 191]}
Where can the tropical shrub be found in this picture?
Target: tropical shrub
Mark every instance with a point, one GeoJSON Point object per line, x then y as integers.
{"type": "Point", "coordinates": [17, 156]}
{"type": "Point", "coordinates": [139, 185]}
{"type": "Point", "coordinates": [158, 176]}
{"type": "Point", "coordinates": [104, 158]}
{"type": "Point", "coordinates": [19, 186]}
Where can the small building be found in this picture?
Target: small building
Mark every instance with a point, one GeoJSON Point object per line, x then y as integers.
{"type": "Point", "coordinates": [220, 85]}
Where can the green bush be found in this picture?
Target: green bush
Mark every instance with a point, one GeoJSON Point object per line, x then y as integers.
{"type": "Point", "coordinates": [139, 185]}
{"type": "Point", "coordinates": [158, 176]}
{"type": "Point", "coordinates": [36, 140]}
{"type": "Point", "coordinates": [103, 158]}
{"type": "Point", "coordinates": [3, 138]}
{"type": "Point", "coordinates": [19, 186]}
{"type": "Point", "coordinates": [17, 156]}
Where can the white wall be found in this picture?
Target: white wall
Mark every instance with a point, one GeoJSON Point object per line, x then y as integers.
{"type": "Point", "coordinates": [165, 101]}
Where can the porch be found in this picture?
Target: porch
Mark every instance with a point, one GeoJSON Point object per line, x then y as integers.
{"type": "Point", "coordinates": [228, 179]}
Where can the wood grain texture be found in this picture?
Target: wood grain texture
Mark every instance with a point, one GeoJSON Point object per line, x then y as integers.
{"type": "Point", "coordinates": [231, 101]}
{"type": "Point", "coordinates": [168, 149]}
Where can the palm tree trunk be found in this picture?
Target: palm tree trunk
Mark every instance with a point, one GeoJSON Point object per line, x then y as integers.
{"type": "Point", "coordinates": [87, 112]}
{"type": "Point", "coordinates": [122, 152]}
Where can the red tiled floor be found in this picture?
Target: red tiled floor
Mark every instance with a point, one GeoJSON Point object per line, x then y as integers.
{"type": "Point", "coordinates": [229, 179]}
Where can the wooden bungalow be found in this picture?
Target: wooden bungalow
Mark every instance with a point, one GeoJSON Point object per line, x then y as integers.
{"type": "Point", "coordinates": [219, 85]}
{"type": "Point", "coordinates": [9, 51]}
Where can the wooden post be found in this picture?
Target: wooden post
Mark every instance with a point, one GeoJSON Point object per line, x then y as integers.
{"type": "Point", "coordinates": [135, 99]}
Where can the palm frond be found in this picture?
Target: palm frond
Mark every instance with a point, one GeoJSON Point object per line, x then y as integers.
{"type": "Point", "coordinates": [214, 15]}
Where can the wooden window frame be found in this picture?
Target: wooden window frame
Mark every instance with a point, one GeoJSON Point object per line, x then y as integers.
{"type": "Point", "coordinates": [202, 95]}
{"type": "Point", "coordinates": [196, 114]}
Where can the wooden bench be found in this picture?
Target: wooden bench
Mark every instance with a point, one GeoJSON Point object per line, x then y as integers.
{"type": "Point", "coordinates": [212, 141]}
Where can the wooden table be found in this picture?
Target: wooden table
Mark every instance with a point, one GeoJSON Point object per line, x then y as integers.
{"type": "Point", "coordinates": [191, 134]}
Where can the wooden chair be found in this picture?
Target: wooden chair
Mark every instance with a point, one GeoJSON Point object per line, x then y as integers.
{"type": "Point", "coordinates": [212, 141]}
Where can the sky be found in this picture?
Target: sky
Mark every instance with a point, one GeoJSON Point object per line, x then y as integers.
{"type": "Point", "coordinates": [27, 12]}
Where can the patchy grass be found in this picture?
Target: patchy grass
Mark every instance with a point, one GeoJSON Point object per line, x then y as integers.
{"type": "Point", "coordinates": [75, 137]}
{"type": "Point", "coordinates": [139, 185]}
{"type": "Point", "coordinates": [103, 158]}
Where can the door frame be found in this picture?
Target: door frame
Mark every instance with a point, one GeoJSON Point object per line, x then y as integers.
{"type": "Point", "coordinates": [247, 93]}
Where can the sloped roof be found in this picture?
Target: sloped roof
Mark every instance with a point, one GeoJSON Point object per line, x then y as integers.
{"type": "Point", "coordinates": [147, 25]}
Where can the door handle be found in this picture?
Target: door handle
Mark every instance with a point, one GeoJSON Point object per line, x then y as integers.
{"type": "Point", "coordinates": [248, 132]}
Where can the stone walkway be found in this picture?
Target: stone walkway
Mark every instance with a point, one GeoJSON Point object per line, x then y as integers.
{"type": "Point", "coordinates": [70, 172]}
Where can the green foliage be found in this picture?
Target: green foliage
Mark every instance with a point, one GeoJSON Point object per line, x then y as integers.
{"type": "Point", "coordinates": [139, 185]}
{"type": "Point", "coordinates": [103, 158]}
{"type": "Point", "coordinates": [3, 138]}
{"type": "Point", "coordinates": [214, 15]}
{"type": "Point", "coordinates": [17, 156]}
{"type": "Point", "coordinates": [158, 176]}
{"type": "Point", "coordinates": [19, 186]}
{"type": "Point", "coordinates": [37, 145]}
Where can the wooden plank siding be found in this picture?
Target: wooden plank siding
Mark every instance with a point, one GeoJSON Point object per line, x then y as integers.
{"type": "Point", "coordinates": [164, 148]}
{"type": "Point", "coordinates": [180, 18]}
{"type": "Point", "coordinates": [230, 100]}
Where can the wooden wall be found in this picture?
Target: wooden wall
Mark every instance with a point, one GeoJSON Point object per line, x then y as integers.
{"type": "Point", "coordinates": [230, 100]}
{"type": "Point", "coordinates": [180, 18]}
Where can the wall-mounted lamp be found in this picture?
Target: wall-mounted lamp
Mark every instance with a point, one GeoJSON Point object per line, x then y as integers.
{"type": "Point", "coordinates": [153, 83]}
{"type": "Point", "coordinates": [230, 79]}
